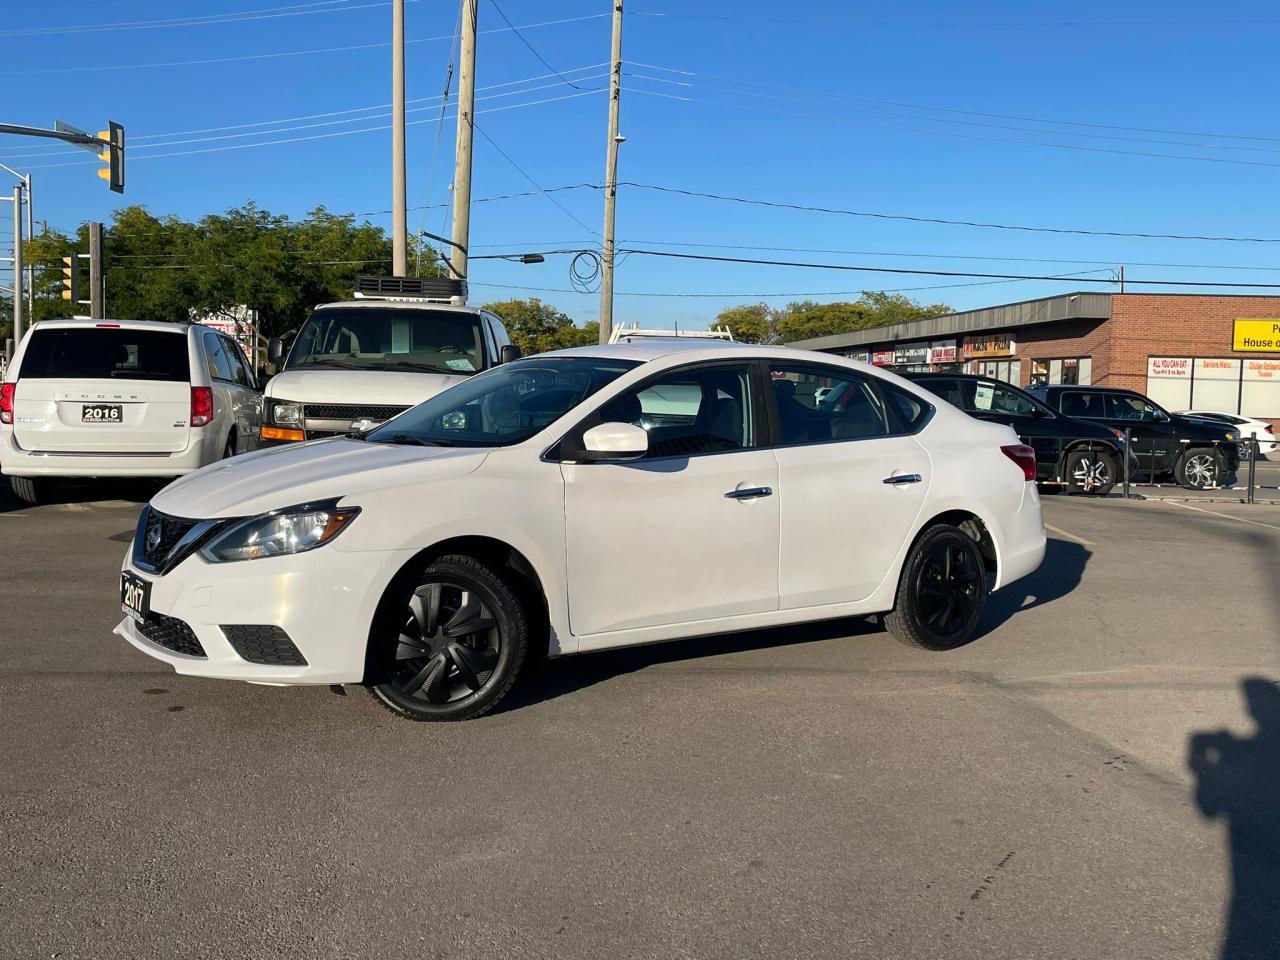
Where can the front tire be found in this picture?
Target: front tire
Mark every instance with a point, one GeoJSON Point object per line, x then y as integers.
{"type": "Point", "coordinates": [457, 646]}
{"type": "Point", "coordinates": [32, 490]}
{"type": "Point", "coordinates": [942, 591]}
{"type": "Point", "coordinates": [1091, 472]}
{"type": "Point", "coordinates": [1200, 468]}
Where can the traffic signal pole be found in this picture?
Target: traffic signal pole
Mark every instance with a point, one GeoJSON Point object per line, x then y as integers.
{"type": "Point", "coordinates": [97, 284]}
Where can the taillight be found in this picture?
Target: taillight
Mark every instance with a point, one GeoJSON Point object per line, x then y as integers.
{"type": "Point", "coordinates": [201, 406]}
{"type": "Point", "coordinates": [1266, 428]}
{"type": "Point", "coordinates": [1024, 457]}
{"type": "Point", "coordinates": [6, 402]}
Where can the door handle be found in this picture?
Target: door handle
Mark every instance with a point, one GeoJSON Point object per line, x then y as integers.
{"type": "Point", "coordinates": [900, 478]}
{"type": "Point", "coordinates": [749, 493]}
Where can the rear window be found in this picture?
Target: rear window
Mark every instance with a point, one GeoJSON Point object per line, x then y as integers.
{"type": "Point", "coordinates": [96, 353]}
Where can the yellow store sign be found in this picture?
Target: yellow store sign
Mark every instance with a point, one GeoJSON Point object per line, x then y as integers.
{"type": "Point", "coordinates": [1257, 335]}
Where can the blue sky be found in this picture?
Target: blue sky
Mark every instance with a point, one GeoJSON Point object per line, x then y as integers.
{"type": "Point", "coordinates": [767, 107]}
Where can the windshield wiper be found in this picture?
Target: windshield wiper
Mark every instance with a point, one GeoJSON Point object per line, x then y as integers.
{"type": "Point", "coordinates": [329, 363]}
{"type": "Point", "coordinates": [430, 368]}
{"type": "Point", "coordinates": [408, 440]}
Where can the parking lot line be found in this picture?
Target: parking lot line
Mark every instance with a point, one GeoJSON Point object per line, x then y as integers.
{"type": "Point", "coordinates": [1066, 533]}
{"type": "Point", "coordinates": [1213, 513]}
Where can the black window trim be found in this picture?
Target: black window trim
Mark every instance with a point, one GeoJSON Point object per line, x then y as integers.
{"type": "Point", "coordinates": [211, 362]}
{"type": "Point", "coordinates": [897, 428]}
{"type": "Point", "coordinates": [569, 447]}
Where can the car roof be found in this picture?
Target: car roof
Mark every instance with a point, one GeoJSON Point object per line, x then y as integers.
{"type": "Point", "coordinates": [959, 376]}
{"type": "Point", "coordinates": [691, 349]}
{"type": "Point", "coordinates": [369, 303]}
{"type": "Point", "coordinates": [84, 323]}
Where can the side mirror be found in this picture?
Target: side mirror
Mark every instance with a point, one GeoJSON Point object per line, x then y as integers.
{"type": "Point", "coordinates": [614, 441]}
{"type": "Point", "coordinates": [508, 353]}
{"type": "Point", "coordinates": [275, 349]}
{"type": "Point", "coordinates": [1162, 416]}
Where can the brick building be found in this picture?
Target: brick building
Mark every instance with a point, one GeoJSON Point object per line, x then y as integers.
{"type": "Point", "coordinates": [1185, 351]}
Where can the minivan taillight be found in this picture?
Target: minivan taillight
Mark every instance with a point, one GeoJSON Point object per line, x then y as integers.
{"type": "Point", "coordinates": [1024, 457]}
{"type": "Point", "coordinates": [201, 406]}
{"type": "Point", "coordinates": [7, 391]}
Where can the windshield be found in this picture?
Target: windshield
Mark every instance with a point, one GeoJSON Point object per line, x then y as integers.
{"type": "Point", "coordinates": [506, 405]}
{"type": "Point", "coordinates": [100, 353]}
{"type": "Point", "coordinates": [390, 338]}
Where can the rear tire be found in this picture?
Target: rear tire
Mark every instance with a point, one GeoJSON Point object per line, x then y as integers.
{"type": "Point", "coordinates": [942, 591]}
{"type": "Point", "coordinates": [1090, 472]}
{"type": "Point", "coordinates": [456, 647]}
{"type": "Point", "coordinates": [33, 490]}
{"type": "Point", "coordinates": [1200, 468]}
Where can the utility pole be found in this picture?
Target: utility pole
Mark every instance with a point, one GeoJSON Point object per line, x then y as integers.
{"type": "Point", "coordinates": [97, 282]}
{"type": "Point", "coordinates": [17, 265]}
{"type": "Point", "coordinates": [1122, 278]}
{"type": "Point", "coordinates": [611, 179]}
{"type": "Point", "coordinates": [399, 192]}
{"type": "Point", "coordinates": [31, 267]}
{"type": "Point", "coordinates": [462, 155]}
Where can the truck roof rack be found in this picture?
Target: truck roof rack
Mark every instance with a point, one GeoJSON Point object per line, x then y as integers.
{"type": "Point", "coordinates": [434, 289]}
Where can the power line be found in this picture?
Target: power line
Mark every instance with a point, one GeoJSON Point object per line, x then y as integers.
{"type": "Point", "coordinates": [810, 208]}
{"type": "Point", "coordinates": [286, 53]}
{"type": "Point", "coordinates": [521, 36]}
{"type": "Point", "coordinates": [563, 209]}
{"type": "Point", "coordinates": [933, 273]}
{"type": "Point", "coordinates": [267, 13]}
{"type": "Point", "coordinates": [953, 24]}
{"type": "Point", "coordinates": [970, 113]}
{"type": "Point", "coordinates": [953, 135]}
{"type": "Point", "coordinates": [969, 123]}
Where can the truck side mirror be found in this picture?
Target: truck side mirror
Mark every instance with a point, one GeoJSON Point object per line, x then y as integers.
{"type": "Point", "coordinates": [275, 349]}
{"type": "Point", "coordinates": [508, 353]}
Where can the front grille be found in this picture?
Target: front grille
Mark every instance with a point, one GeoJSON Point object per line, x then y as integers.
{"type": "Point", "coordinates": [263, 643]}
{"type": "Point", "coordinates": [170, 529]}
{"type": "Point", "coordinates": [344, 411]}
{"type": "Point", "coordinates": [171, 633]}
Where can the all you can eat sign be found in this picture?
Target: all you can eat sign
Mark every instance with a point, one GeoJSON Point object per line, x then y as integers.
{"type": "Point", "coordinates": [1256, 335]}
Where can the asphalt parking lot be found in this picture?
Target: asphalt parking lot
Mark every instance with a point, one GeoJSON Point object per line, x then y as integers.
{"type": "Point", "coordinates": [817, 792]}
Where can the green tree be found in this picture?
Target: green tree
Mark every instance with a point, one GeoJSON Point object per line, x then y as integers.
{"type": "Point", "coordinates": [748, 324]}
{"type": "Point", "coordinates": [537, 327]}
{"type": "Point", "coordinates": [801, 320]}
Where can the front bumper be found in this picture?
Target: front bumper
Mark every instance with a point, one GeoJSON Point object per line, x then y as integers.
{"type": "Point", "coordinates": [324, 600]}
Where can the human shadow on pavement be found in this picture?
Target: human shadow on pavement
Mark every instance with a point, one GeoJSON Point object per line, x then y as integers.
{"type": "Point", "coordinates": [1238, 782]}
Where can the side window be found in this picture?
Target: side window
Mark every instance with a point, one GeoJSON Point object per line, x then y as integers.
{"type": "Point", "coordinates": [219, 363]}
{"type": "Point", "coordinates": [948, 390]}
{"type": "Point", "coordinates": [912, 412]}
{"type": "Point", "coordinates": [703, 410]}
{"type": "Point", "coordinates": [1080, 404]}
{"type": "Point", "coordinates": [1131, 408]}
{"type": "Point", "coordinates": [490, 347]}
{"type": "Point", "coordinates": [850, 408]}
{"type": "Point", "coordinates": [499, 332]}
{"type": "Point", "coordinates": [235, 360]}
{"type": "Point", "coordinates": [996, 398]}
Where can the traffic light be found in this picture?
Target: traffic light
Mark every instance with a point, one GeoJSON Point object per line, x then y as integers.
{"type": "Point", "coordinates": [112, 154]}
{"type": "Point", "coordinates": [71, 278]}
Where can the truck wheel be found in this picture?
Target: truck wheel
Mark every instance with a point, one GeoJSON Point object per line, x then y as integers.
{"type": "Point", "coordinates": [1200, 468]}
{"type": "Point", "coordinates": [1090, 472]}
{"type": "Point", "coordinates": [33, 490]}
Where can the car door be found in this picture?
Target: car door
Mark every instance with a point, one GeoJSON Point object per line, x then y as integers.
{"type": "Point", "coordinates": [1154, 441]}
{"type": "Point", "coordinates": [997, 402]}
{"type": "Point", "coordinates": [851, 479]}
{"type": "Point", "coordinates": [247, 405]}
{"type": "Point", "coordinates": [688, 532]}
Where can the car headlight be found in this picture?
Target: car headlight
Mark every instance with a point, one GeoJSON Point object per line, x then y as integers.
{"type": "Point", "coordinates": [279, 533]}
{"type": "Point", "coordinates": [286, 413]}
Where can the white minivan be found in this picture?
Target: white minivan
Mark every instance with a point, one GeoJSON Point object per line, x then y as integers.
{"type": "Point", "coordinates": [122, 398]}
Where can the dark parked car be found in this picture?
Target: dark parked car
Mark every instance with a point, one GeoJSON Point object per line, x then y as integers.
{"type": "Point", "coordinates": [1079, 456]}
{"type": "Point", "coordinates": [1197, 453]}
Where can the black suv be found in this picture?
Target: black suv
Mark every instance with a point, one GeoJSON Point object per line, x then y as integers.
{"type": "Point", "coordinates": [1082, 457]}
{"type": "Point", "coordinates": [1198, 454]}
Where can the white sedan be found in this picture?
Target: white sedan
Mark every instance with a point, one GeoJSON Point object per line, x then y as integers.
{"type": "Point", "coordinates": [1246, 425]}
{"type": "Point", "coordinates": [581, 500]}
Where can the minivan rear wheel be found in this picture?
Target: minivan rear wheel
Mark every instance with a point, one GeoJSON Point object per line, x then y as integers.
{"type": "Point", "coordinates": [453, 646]}
{"type": "Point", "coordinates": [33, 490]}
{"type": "Point", "coordinates": [942, 591]}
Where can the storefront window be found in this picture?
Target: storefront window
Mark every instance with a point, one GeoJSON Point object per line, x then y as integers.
{"type": "Point", "coordinates": [1070, 370]}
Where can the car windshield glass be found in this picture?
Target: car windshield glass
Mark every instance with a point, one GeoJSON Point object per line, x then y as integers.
{"type": "Point", "coordinates": [106, 353]}
{"type": "Point", "coordinates": [506, 405]}
{"type": "Point", "coordinates": [390, 338]}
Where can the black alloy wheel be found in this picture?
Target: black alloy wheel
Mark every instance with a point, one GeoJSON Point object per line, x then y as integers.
{"type": "Point", "coordinates": [942, 592]}
{"type": "Point", "coordinates": [461, 641]}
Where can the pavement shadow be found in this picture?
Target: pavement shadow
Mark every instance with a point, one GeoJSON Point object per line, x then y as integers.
{"type": "Point", "coordinates": [556, 678]}
{"type": "Point", "coordinates": [1238, 782]}
{"type": "Point", "coordinates": [83, 491]}
{"type": "Point", "coordinates": [1059, 574]}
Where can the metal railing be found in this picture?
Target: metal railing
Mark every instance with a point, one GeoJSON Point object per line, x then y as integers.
{"type": "Point", "coordinates": [1249, 451]}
